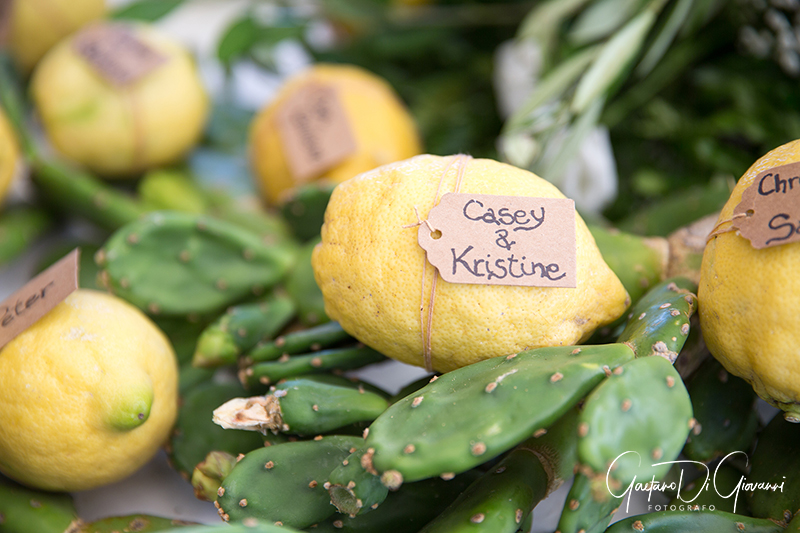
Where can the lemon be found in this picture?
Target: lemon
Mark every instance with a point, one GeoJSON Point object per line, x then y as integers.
{"type": "Point", "coordinates": [10, 161]}
{"type": "Point", "coordinates": [382, 128]}
{"type": "Point", "coordinates": [88, 394]}
{"type": "Point", "coordinates": [35, 26]}
{"type": "Point", "coordinates": [369, 267]}
{"type": "Point", "coordinates": [120, 130]}
{"type": "Point", "coordinates": [748, 301]}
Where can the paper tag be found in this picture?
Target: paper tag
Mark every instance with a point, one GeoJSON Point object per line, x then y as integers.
{"type": "Point", "coordinates": [502, 240]}
{"type": "Point", "coordinates": [6, 7]}
{"type": "Point", "coordinates": [771, 208]}
{"type": "Point", "coordinates": [38, 296]}
{"type": "Point", "coordinates": [116, 54]}
{"type": "Point", "coordinates": [315, 132]}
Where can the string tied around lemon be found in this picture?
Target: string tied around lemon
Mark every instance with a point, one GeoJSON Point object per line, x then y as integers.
{"type": "Point", "coordinates": [377, 283]}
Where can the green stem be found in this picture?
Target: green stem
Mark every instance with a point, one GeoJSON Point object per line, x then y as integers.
{"type": "Point", "coordinates": [19, 229]}
{"type": "Point", "coordinates": [74, 190]}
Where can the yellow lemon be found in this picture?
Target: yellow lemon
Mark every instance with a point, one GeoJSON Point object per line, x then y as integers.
{"type": "Point", "coordinates": [749, 301]}
{"type": "Point", "coordinates": [88, 394]}
{"type": "Point", "coordinates": [381, 128]}
{"type": "Point", "coordinates": [370, 267]}
{"type": "Point", "coordinates": [120, 129]}
{"type": "Point", "coordinates": [10, 161]}
{"type": "Point", "coordinates": [36, 25]}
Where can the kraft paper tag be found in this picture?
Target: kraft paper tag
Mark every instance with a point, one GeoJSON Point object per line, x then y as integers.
{"type": "Point", "coordinates": [315, 131]}
{"type": "Point", "coordinates": [769, 211]}
{"type": "Point", "coordinates": [116, 54]}
{"type": "Point", "coordinates": [23, 308]}
{"type": "Point", "coordinates": [6, 6]}
{"type": "Point", "coordinates": [502, 240]}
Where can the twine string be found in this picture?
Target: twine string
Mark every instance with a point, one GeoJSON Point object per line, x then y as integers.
{"type": "Point", "coordinates": [719, 231]}
{"type": "Point", "coordinates": [426, 320]}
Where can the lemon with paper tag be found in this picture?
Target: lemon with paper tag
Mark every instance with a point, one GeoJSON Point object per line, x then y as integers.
{"type": "Point", "coordinates": [749, 287]}
{"type": "Point", "coordinates": [329, 122]}
{"type": "Point", "coordinates": [524, 270]}
{"type": "Point", "coordinates": [88, 394]}
{"type": "Point", "coordinates": [120, 98]}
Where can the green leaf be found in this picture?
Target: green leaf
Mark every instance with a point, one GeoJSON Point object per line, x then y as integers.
{"type": "Point", "coordinates": [617, 54]}
{"type": "Point", "coordinates": [243, 36]}
{"type": "Point", "coordinates": [147, 10]}
{"type": "Point", "coordinates": [556, 84]}
{"type": "Point", "coordinates": [239, 38]}
{"type": "Point", "coordinates": [676, 20]}
{"type": "Point", "coordinates": [601, 19]}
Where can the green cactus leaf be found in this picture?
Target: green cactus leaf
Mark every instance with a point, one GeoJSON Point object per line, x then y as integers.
{"type": "Point", "coordinates": [302, 407]}
{"type": "Point", "coordinates": [260, 374]}
{"type": "Point", "coordinates": [285, 482]}
{"type": "Point", "coordinates": [620, 435]}
{"type": "Point", "coordinates": [638, 262]}
{"type": "Point", "coordinates": [195, 434]}
{"type": "Point", "coordinates": [26, 510]}
{"type": "Point", "coordinates": [725, 409]}
{"type": "Point", "coordinates": [500, 500]}
{"type": "Point", "coordinates": [474, 413]}
{"type": "Point", "coordinates": [694, 522]}
{"type": "Point", "coordinates": [405, 510]}
{"type": "Point", "coordinates": [710, 491]}
{"type": "Point", "coordinates": [305, 340]}
{"type": "Point", "coordinates": [776, 462]}
{"type": "Point", "coordinates": [658, 324]}
{"type": "Point", "coordinates": [353, 489]}
{"type": "Point", "coordinates": [171, 263]}
{"type": "Point", "coordinates": [304, 208]}
{"type": "Point", "coordinates": [240, 329]}
{"type": "Point", "coordinates": [586, 509]}
{"type": "Point", "coordinates": [303, 288]}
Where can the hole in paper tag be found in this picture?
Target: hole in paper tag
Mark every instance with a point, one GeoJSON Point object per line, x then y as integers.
{"type": "Point", "coordinates": [769, 212]}
{"type": "Point", "coordinates": [116, 54]}
{"type": "Point", "coordinates": [315, 131]}
{"type": "Point", "coordinates": [23, 308]}
{"type": "Point", "coordinates": [502, 240]}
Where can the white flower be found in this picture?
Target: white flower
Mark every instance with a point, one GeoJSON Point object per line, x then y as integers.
{"type": "Point", "coordinates": [591, 178]}
{"type": "Point", "coordinates": [516, 70]}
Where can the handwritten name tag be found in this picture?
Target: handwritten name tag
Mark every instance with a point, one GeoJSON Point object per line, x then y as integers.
{"type": "Point", "coordinates": [502, 240]}
{"type": "Point", "coordinates": [315, 131]}
{"type": "Point", "coordinates": [23, 308]}
{"type": "Point", "coordinates": [5, 20]}
{"type": "Point", "coordinates": [116, 54]}
{"type": "Point", "coordinates": [769, 212]}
